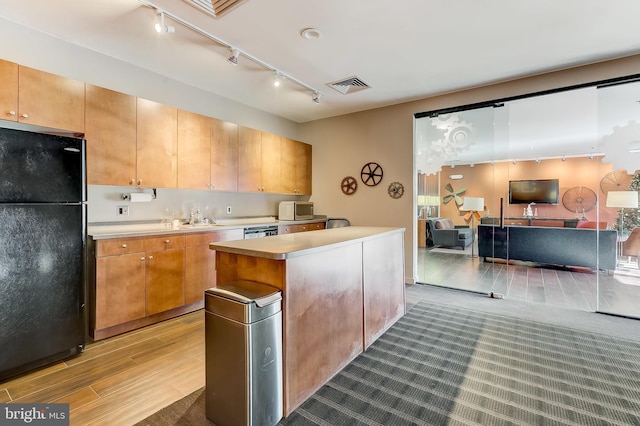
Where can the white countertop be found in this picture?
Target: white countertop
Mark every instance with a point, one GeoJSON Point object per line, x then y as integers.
{"type": "Point", "coordinates": [116, 230]}
{"type": "Point", "coordinates": [286, 246]}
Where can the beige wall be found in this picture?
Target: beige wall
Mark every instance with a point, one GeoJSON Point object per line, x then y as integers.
{"type": "Point", "coordinates": [342, 145]}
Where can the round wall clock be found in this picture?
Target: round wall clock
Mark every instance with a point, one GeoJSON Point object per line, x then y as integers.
{"type": "Point", "coordinates": [349, 185]}
{"type": "Point", "coordinates": [395, 190]}
{"type": "Point", "coordinates": [371, 174]}
{"type": "Point", "coordinates": [617, 180]}
{"type": "Point", "coordinates": [579, 199]}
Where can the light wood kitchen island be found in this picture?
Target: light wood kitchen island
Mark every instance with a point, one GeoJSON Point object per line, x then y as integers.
{"type": "Point", "coordinates": [342, 288]}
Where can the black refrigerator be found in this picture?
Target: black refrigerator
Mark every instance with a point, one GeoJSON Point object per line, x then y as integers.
{"type": "Point", "coordinates": [42, 249]}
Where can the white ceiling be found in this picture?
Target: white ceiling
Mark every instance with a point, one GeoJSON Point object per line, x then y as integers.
{"type": "Point", "coordinates": [406, 50]}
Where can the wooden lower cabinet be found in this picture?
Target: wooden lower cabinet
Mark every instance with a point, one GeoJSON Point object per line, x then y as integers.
{"type": "Point", "coordinates": [164, 281]}
{"type": "Point", "coordinates": [143, 280]}
{"type": "Point", "coordinates": [200, 262]}
{"type": "Point", "coordinates": [125, 302]}
{"type": "Point", "coordinates": [303, 227]}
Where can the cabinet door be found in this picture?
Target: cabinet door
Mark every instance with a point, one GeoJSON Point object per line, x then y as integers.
{"type": "Point", "coordinates": [120, 289]}
{"type": "Point", "coordinates": [194, 150]}
{"type": "Point", "coordinates": [224, 155]}
{"type": "Point", "coordinates": [249, 160]}
{"type": "Point", "coordinates": [50, 100]}
{"type": "Point", "coordinates": [165, 280]}
{"type": "Point", "coordinates": [271, 155]}
{"type": "Point", "coordinates": [110, 131]}
{"type": "Point", "coordinates": [288, 166]}
{"type": "Point", "coordinates": [200, 272]}
{"type": "Point", "coordinates": [303, 177]}
{"type": "Point", "coordinates": [200, 262]}
{"type": "Point", "coordinates": [157, 145]}
{"type": "Point", "coordinates": [296, 167]}
{"type": "Point", "coordinates": [9, 90]}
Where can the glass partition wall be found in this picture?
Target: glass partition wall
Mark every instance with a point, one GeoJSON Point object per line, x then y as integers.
{"type": "Point", "coordinates": [541, 166]}
{"type": "Point", "coordinates": [619, 141]}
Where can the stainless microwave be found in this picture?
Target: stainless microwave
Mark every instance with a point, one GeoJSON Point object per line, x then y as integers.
{"type": "Point", "coordinates": [295, 210]}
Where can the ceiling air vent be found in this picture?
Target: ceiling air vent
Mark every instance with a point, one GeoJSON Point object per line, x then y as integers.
{"type": "Point", "coordinates": [349, 85]}
{"type": "Point", "coordinates": [215, 8]}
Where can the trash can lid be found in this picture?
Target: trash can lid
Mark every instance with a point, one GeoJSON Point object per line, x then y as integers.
{"type": "Point", "coordinates": [248, 292]}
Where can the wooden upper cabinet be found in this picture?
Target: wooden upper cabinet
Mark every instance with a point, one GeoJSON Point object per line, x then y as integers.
{"type": "Point", "coordinates": [259, 156]}
{"type": "Point", "coordinates": [296, 167]}
{"type": "Point", "coordinates": [271, 156]}
{"type": "Point", "coordinates": [249, 160]}
{"type": "Point", "coordinates": [110, 131]}
{"type": "Point", "coordinates": [50, 100]}
{"type": "Point", "coordinates": [224, 155]}
{"type": "Point", "coordinates": [194, 150]}
{"type": "Point", "coordinates": [9, 90]}
{"type": "Point", "coordinates": [157, 145]}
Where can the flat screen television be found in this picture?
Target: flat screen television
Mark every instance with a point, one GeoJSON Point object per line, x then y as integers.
{"type": "Point", "coordinates": [539, 191]}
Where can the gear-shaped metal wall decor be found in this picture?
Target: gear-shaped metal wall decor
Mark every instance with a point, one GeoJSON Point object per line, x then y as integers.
{"type": "Point", "coordinates": [619, 147]}
{"type": "Point", "coordinates": [349, 185]}
{"type": "Point", "coordinates": [395, 190]}
{"type": "Point", "coordinates": [371, 174]}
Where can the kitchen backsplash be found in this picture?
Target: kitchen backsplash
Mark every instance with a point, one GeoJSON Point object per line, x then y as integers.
{"type": "Point", "coordinates": [104, 203]}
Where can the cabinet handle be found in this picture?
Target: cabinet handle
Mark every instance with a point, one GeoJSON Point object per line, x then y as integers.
{"type": "Point", "coordinates": [24, 115]}
{"type": "Point", "coordinates": [124, 246]}
{"type": "Point", "coordinates": [11, 113]}
{"type": "Point", "coordinates": [150, 257]}
{"type": "Point", "coordinates": [142, 258]}
{"type": "Point", "coordinates": [132, 181]}
{"type": "Point", "coordinates": [139, 182]}
{"type": "Point", "coordinates": [167, 241]}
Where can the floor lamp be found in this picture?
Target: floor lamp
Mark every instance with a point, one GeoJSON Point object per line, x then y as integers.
{"type": "Point", "coordinates": [622, 199]}
{"type": "Point", "coordinates": [473, 205]}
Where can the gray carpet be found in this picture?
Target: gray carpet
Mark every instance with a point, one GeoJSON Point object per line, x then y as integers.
{"type": "Point", "coordinates": [446, 364]}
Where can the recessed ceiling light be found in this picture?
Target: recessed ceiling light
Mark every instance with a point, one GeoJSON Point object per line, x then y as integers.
{"type": "Point", "coordinates": [310, 34]}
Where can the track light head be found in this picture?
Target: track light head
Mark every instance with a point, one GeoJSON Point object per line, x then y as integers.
{"type": "Point", "coordinates": [160, 26]}
{"type": "Point", "coordinates": [316, 97]}
{"type": "Point", "coordinates": [277, 77]}
{"type": "Point", "coordinates": [233, 56]}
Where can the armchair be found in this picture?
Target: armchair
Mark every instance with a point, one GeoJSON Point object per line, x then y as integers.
{"type": "Point", "coordinates": [445, 234]}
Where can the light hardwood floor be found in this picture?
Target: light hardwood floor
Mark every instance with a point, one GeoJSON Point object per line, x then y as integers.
{"type": "Point", "coordinates": [124, 379]}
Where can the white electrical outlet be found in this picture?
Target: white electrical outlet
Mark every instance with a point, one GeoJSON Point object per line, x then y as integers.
{"type": "Point", "coordinates": [122, 211]}
{"type": "Point", "coordinates": [228, 209]}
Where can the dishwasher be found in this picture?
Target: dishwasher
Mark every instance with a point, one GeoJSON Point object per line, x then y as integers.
{"type": "Point", "coordinates": [260, 231]}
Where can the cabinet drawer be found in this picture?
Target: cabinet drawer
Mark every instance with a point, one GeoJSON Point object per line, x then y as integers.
{"type": "Point", "coordinates": [201, 239]}
{"type": "Point", "coordinates": [164, 242]}
{"type": "Point", "coordinates": [118, 246]}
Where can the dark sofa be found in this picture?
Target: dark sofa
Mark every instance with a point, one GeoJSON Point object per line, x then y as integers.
{"type": "Point", "coordinates": [549, 245]}
{"type": "Point", "coordinates": [445, 234]}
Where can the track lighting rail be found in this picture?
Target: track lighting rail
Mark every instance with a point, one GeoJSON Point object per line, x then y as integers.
{"type": "Point", "coordinates": [316, 94]}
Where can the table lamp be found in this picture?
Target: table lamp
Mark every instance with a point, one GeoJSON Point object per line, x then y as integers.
{"type": "Point", "coordinates": [622, 199]}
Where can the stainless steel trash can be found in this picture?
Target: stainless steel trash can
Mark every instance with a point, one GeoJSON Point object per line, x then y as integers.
{"type": "Point", "coordinates": [243, 344]}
